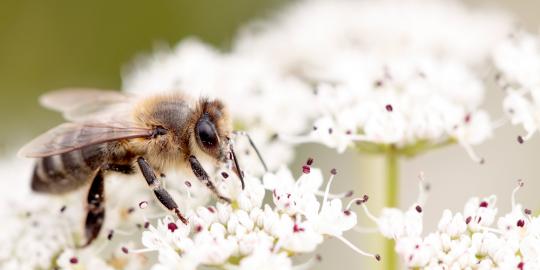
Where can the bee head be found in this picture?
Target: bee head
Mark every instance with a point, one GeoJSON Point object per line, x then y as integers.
{"type": "Point", "coordinates": [212, 129]}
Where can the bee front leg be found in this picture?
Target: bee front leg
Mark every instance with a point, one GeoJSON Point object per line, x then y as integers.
{"type": "Point", "coordinates": [201, 174]}
{"type": "Point", "coordinates": [95, 209]}
{"type": "Point", "coordinates": [161, 193]}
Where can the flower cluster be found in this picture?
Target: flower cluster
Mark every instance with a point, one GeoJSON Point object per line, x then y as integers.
{"type": "Point", "coordinates": [472, 239]}
{"type": "Point", "coordinates": [518, 60]}
{"type": "Point", "coordinates": [344, 73]}
{"type": "Point", "coordinates": [249, 235]}
{"type": "Point", "coordinates": [43, 232]}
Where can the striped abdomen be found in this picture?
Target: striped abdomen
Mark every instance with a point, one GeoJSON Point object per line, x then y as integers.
{"type": "Point", "coordinates": [68, 171]}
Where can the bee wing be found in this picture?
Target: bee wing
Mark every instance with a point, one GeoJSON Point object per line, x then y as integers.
{"type": "Point", "coordinates": [72, 136]}
{"type": "Point", "coordinates": [82, 104]}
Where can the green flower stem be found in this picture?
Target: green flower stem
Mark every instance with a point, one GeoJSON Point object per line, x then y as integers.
{"type": "Point", "coordinates": [392, 178]}
{"type": "Point", "coordinates": [390, 187]}
{"type": "Point", "coordinates": [392, 200]}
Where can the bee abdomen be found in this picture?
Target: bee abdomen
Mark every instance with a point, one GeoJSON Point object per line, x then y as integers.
{"type": "Point", "coordinates": [68, 171]}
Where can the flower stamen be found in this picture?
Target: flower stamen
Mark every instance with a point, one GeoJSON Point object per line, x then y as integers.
{"type": "Point", "coordinates": [357, 250]}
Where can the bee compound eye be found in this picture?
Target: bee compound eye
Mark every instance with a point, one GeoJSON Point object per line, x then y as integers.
{"type": "Point", "coordinates": [207, 133]}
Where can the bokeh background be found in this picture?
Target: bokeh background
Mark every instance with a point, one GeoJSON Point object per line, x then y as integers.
{"type": "Point", "coordinates": [46, 45]}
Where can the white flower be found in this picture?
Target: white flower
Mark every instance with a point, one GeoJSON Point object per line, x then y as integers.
{"type": "Point", "coordinates": [394, 223]}
{"type": "Point", "coordinates": [263, 259]}
{"type": "Point", "coordinates": [35, 230]}
{"type": "Point", "coordinates": [518, 60]}
{"type": "Point", "coordinates": [247, 234]}
{"type": "Point", "coordinates": [73, 260]}
{"type": "Point", "coordinates": [42, 231]}
{"type": "Point", "coordinates": [294, 196]}
{"type": "Point", "coordinates": [417, 84]}
{"type": "Point", "coordinates": [468, 240]}
{"type": "Point", "coordinates": [479, 213]}
{"type": "Point", "coordinates": [350, 72]}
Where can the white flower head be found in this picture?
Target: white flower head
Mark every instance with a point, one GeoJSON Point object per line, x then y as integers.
{"type": "Point", "coordinates": [468, 240]}
{"type": "Point", "coordinates": [415, 88]}
{"type": "Point", "coordinates": [517, 59]}
{"type": "Point", "coordinates": [244, 234]}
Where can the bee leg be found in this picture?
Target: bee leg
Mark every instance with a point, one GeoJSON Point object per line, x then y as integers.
{"type": "Point", "coordinates": [161, 193]}
{"type": "Point", "coordinates": [95, 209]}
{"type": "Point", "coordinates": [201, 174]}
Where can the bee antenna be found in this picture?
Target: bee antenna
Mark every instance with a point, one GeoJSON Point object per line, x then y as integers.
{"type": "Point", "coordinates": [243, 133]}
{"type": "Point", "coordinates": [238, 170]}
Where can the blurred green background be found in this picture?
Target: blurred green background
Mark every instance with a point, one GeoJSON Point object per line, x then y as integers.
{"type": "Point", "coordinates": [46, 45]}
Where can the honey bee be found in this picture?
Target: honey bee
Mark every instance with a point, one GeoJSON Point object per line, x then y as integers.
{"type": "Point", "coordinates": [112, 132]}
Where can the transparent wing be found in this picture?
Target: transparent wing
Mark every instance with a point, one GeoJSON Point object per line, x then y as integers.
{"type": "Point", "coordinates": [80, 105]}
{"type": "Point", "coordinates": [72, 136]}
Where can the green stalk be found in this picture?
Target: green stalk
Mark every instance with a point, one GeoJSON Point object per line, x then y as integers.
{"type": "Point", "coordinates": [392, 197]}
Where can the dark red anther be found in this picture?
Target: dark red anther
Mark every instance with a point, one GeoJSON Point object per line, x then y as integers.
{"type": "Point", "coordinates": [309, 162]}
{"type": "Point", "coordinates": [146, 224]}
{"type": "Point", "coordinates": [125, 250]}
{"type": "Point", "coordinates": [333, 171]}
{"type": "Point", "coordinates": [527, 211]}
{"type": "Point", "coordinates": [347, 212]}
{"type": "Point", "coordinates": [172, 226]}
{"type": "Point", "coordinates": [468, 118]}
{"type": "Point", "coordinates": [297, 228]}
{"type": "Point", "coordinates": [63, 208]}
{"type": "Point", "coordinates": [520, 223]}
{"type": "Point", "coordinates": [484, 204]}
{"type": "Point", "coordinates": [389, 108]}
{"type": "Point", "coordinates": [73, 260]}
{"type": "Point", "coordinates": [378, 257]}
{"type": "Point", "coordinates": [211, 209]}
{"type": "Point", "coordinates": [198, 228]}
{"type": "Point", "coordinates": [418, 209]}
{"type": "Point", "coordinates": [306, 169]}
{"type": "Point", "coordinates": [187, 183]}
{"type": "Point", "coordinates": [365, 198]}
{"type": "Point", "coordinates": [468, 220]}
{"type": "Point", "coordinates": [130, 210]}
{"type": "Point", "coordinates": [110, 235]}
{"type": "Point", "coordinates": [330, 130]}
{"type": "Point", "coordinates": [520, 140]}
{"type": "Point", "coordinates": [224, 175]}
{"type": "Point", "coordinates": [521, 265]}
